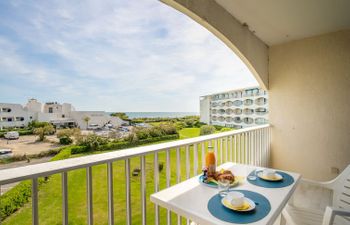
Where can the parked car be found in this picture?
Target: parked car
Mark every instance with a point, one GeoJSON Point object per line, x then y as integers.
{"type": "Point", "coordinates": [93, 127]}
{"type": "Point", "coordinates": [12, 135]}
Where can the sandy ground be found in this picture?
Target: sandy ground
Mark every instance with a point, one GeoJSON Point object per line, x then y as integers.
{"type": "Point", "coordinates": [27, 144]}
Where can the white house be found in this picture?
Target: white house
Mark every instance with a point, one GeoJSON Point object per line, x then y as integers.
{"type": "Point", "coordinates": [15, 115]}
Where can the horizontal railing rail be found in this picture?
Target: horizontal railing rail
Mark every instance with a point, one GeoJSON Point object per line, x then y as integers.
{"type": "Point", "coordinates": [49, 168]}
{"type": "Point", "coordinates": [249, 145]}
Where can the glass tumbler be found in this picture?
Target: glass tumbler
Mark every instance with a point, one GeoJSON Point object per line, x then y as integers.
{"type": "Point", "coordinates": [252, 175]}
{"type": "Point", "coordinates": [223, 186]}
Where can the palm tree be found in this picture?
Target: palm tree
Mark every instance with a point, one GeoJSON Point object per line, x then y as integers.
{"type": "Point", "coordinates": [86, 119]}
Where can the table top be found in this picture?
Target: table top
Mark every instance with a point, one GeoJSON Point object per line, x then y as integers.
{"type": "Point", "coordinates": [190, 198]}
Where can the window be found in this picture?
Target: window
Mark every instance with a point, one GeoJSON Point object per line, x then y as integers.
{"type": "Point", "coordinates": [6, 110]}
{"type": "Point", "coordinates": [63, 116]}
{"type": "Point", "coordinates": [50, 110]}
{"type": "Point", "coordinates": [19, 118]}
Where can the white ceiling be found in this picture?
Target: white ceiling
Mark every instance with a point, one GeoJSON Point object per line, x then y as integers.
{"type": "Point", "coordinates": [278, 21]}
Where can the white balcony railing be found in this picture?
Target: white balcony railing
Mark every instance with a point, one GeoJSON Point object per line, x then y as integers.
{"type": "Point", "coordinates": [248, 145]}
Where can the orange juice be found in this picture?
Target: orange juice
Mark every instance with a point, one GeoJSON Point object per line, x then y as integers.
{"type": "Point", "coordinates": [210, 162]}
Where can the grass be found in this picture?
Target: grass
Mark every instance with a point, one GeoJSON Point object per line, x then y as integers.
{"type": "Point", "coordinates": [50, 194]}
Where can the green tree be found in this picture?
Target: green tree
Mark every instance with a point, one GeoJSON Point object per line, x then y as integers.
{"type": "Point", "coordinates": [43, 131]}
{"type": "Point", "coordinates": [121, 115]}
{"type": "Point", "coordinates": [86, 119]}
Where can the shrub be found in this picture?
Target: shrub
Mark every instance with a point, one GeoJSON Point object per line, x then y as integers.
{"type": "Point", "coordinates": [43, 131]}
{"type": "Point", "coordinates": [92, 142]}
{"type": "Point", "coordinates": [180, 125]}
{"type": "Point", "coordinates": [160, 166]}
{"type": "Point", "coordinates": [15, 198]}
{"type": "Point", "coordinates": [125, 144]}
{"type": "Point", "coordinates": [142, 133]}
{"type": "Point", "coordinates": [65, 140]}
{"type": "Point", "coordinates": [156, 132]}
{"type": "Point", "coordinates": [132, 138]}
{"type": "Point", "coordinates": [78, 149]}
{"type": "Point", "coordinates": [207, 129]}
{"type": "Point", "coordinates": [168, 128]}
{"type": "Point", "coordinates": [37, 124]}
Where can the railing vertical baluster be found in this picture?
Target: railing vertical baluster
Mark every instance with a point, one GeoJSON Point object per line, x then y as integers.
{"type": "Point", "coordinates": [143, 189]}
{"type": "Point", "coordinates": [243, 148]}
{"type": "Point", "coordinates": [226, 149]}
{"type": "Point", "coordinates": [235, 140]}
{"type": "Point", "coordinates": [216, 150]}
{"type": "Point", "coordinates": [156, 186]}
{"type": "Point", "coordinates": [178, 165]}
{"type": "Point", "coordinates": [195, 159]}
{"type": "Point", "coordinates": [260, 146]}
{"type": "Point", "coordinates": [221, 150]}
{"type": "Point", "coordinates": [178, 176]}
{"type": "Point", "coordinates": [110, 193]}
{"type": "Point", "coordinates": [252, 147]}
{"type": "Point", "coordinates": [89, 202]}
{"type": "Point", "coordinates": [64, 199]}
{"type": "Point", "coordinates": [188, 165]}
{"type": "Point", "coordinates": [168, 177]}
{"type": "Point", "coordinates": [269, 146]}
{"type": "Point", "coordinates": [203, 154]}
{"type": "Point", "coordinates": [35, 211]}
{"type": "Point", "coordinates": [256, 148]}
{"type": "Point", "coordinates": [246, 147]}
{"type": "Point", "coordinates": [264, 147]}
{"type": "Point", "coordinates": [0, 215]}
{"type": "Point", "coordinates": [239, 148]}
{"type": "Point", "coordinates": [188, 170]}
{"type": "Point", "coordinates": [231, 148]}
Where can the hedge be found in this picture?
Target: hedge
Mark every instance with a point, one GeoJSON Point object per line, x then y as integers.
{"type": "Point", "coordinates": [125, 144]}
{"type": "Point", "coordinates": [16, 197]}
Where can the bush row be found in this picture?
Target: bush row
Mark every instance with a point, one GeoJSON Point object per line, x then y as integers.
{"type": "Point", "coordinates": [15, 198]}
{"type": "Point", "coordinates": [123, 144]}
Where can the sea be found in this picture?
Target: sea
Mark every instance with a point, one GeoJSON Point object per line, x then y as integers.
{"type": "Point", "coordinates": [133, 115]}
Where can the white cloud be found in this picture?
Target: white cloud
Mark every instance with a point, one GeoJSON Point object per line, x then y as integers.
{"type": "Point", "coordinates": [121, 55]}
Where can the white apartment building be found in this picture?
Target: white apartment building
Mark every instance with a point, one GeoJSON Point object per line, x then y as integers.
{"type": "Point", "coordinates": [60, 115]}
{"type": "Point", "coordinates": [236, 108]}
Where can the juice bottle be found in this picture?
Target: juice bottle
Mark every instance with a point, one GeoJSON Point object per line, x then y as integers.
{"type": "Point", "coordinates": [210, 161]}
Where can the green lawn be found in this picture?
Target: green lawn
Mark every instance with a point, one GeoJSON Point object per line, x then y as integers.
{"type": "Point", "coordinates": [50, 193]}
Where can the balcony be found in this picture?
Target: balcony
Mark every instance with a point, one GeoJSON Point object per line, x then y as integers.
{"type": "Point", "coordinates": [182, 159]}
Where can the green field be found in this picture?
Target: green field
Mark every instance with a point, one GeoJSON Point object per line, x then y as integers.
{"type": "Point", "coordinates": [50, 193]}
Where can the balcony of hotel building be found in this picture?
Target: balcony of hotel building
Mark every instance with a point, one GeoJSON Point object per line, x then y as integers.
{"type": "Point", "coordinates": [298, 51]}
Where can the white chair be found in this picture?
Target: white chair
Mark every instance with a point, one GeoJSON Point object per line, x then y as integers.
{"type": "Point", "coordinates": [320, 203]}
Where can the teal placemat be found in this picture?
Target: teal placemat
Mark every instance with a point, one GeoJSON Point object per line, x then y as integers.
{"type": "Point", "coordinates": [286, 181]}
{"type": "Point", "coordinates": [261, 210]}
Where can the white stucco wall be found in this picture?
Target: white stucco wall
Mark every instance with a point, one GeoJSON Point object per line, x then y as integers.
{"type": "Point", "coordinates": [309, 105]}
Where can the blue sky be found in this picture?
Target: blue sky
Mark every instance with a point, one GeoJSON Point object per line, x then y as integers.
{"type": "Point", "coordinates": [112, 55]}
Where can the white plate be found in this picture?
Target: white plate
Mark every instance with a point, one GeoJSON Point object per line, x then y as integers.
{"type": "Point", "coordinates": [227, 203]}
{"type": "Point", "coordinates": [277, 177]}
